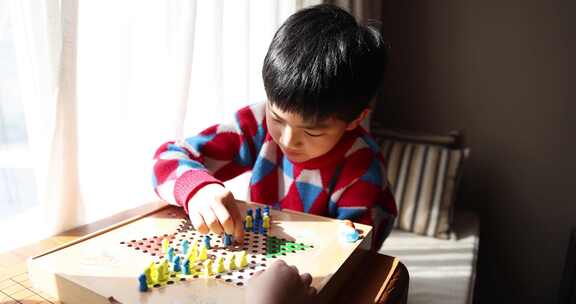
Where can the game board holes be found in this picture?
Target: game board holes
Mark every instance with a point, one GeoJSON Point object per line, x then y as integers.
{"type": "Point", "coordinates": [195, 276]}
{"type": "Point", "coordinates": [122, 243]}
{"type": "Point", "coordinates": [218, 276]}
{"type": "Point", "coordinates": [170, 282]}
{"type": "Point", "coordinates": [228, 280]}
{"type": "Point", "coordinates": [129, 245]}
{"type": "Point", "coordinates": [239, 284]}
{"type": "Point", "coordinates": [157, 285]}
{"type": "Point", "coordinates": [240, 277]}
{"type": "Point", "coordinates": [251, 273]}
{"type": "Point", "coordinates": [182, 279]}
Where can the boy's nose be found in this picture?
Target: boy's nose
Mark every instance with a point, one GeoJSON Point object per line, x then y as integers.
{"type": "Point", "coordinates": [289, 139]}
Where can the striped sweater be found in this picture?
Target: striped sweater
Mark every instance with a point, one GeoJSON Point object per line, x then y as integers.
{"type": "Point", "coordinates": [348, 182]}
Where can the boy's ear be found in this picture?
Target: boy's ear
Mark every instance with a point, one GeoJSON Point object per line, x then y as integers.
{"type": "Point", "coordinates": [353, 124]}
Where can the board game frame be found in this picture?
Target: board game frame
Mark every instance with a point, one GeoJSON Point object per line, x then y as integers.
{"type": "Point", "coordinates": [338, 259]}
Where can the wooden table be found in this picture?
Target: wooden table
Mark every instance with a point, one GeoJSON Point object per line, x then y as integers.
{"type": "Point", "coordinates": [378, 279]}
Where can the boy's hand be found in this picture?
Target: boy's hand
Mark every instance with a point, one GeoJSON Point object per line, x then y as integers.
{"type": "Point", "coordinates": [280, 284]}
{"type": "Point", "coordinates": [213, 208]}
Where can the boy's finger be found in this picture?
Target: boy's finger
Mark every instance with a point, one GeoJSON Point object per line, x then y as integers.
{"type": "Point", "coordinates": [278, 264]}
{"type": "Point", "coordinates": [237, 219]}
{"type": "Point", "coordinates": [211, 220]}
{"type": "Point", "coordinates": [224, 217]}
{"type": "Point", "coordinates": [198, 222]}
{"type": "Point", "coordinates": [306, 279]}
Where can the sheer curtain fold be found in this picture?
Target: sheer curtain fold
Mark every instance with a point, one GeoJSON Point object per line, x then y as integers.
{"type": "Point", "coordinates": [45, 40]}
{"type": "Point", "coordinates": [104, 83]}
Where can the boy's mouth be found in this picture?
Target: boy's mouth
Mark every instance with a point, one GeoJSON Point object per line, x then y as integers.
{"type": "Point", "coordinates": [290, 152]}
{"type": "Point", "coordinates": [293, 155]}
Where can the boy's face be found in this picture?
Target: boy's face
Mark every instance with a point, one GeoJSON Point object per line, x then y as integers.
{"type": "Point", "coordinates": [301, 140]}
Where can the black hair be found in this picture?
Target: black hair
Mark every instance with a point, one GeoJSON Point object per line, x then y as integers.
{"type": "Point", "coordinates": [321, 63]}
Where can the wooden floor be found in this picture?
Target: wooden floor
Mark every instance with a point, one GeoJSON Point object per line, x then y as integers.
{"type": "Point", "coordinates": [15, 286]}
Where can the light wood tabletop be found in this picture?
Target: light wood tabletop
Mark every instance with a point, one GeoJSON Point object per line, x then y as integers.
{"type": "Point", "coordinates": [378, 279]}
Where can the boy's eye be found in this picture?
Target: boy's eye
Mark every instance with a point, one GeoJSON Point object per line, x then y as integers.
{"type": "Point", "coordinates": [312, 134]}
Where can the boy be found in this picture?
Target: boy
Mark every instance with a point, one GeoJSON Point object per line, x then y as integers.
{"type": "Point", "coordinates": [305, 146]}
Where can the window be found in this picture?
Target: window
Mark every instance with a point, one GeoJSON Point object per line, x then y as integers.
{"type": "Point", "coordinates": [17, 181]}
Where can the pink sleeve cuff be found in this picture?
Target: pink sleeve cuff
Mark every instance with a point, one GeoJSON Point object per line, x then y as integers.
{"type": "Point", "coordinates": [189, 183]}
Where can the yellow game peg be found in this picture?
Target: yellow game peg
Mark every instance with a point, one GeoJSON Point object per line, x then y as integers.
{"type": "Point", "coordinates": [163, 271]}
{"type": "Point", "coordinates": [193, 252]}
{"type": "Point", "coordinates": [203, 254]}
{"type": "Point", "coordinates": [148, 276]}
{"type": "Point", "coordinates": [208, 268]}
{"type": "Point", "coordinates": [266, 222]}
{"type": "Point", "coordinates": [243, 259]}
{"type": "Point", "coordinates": [232, 262]}
{"type": "Point", "coordinates": [165, 245]}
{"type": "Point", "coordinates": [220, 264]}
{"type": "Point", "coordinates": [153, 273]}
{"type": "Point", "coordinates": [248, 222]}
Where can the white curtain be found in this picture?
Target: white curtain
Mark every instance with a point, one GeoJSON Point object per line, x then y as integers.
{"type": "Point", "coordinates": [105, 82]}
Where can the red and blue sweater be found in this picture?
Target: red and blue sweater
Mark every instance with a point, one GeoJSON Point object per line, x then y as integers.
{"type": "Point", "coordinates": [348, 182]}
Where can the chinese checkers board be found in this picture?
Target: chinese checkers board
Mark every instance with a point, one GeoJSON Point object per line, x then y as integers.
{"type": "Point", "coordinates": [108, 266]}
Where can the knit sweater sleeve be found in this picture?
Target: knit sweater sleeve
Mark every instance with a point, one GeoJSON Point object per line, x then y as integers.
{"type": "Point", "coordinates": [217, 154]}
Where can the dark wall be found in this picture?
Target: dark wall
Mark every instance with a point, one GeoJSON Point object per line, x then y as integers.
{"type": "Point", "coordinates": [504, 72]}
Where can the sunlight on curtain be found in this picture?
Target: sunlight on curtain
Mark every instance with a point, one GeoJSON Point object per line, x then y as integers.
{"type": "Point", "coordinates": [232, 39]}
{"type": "Point", "coordinates": [36, 37]}
{"type": "Point", "coordinates": [104, 83]}
{"type": "Point", "coordinates": [132, 62]}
